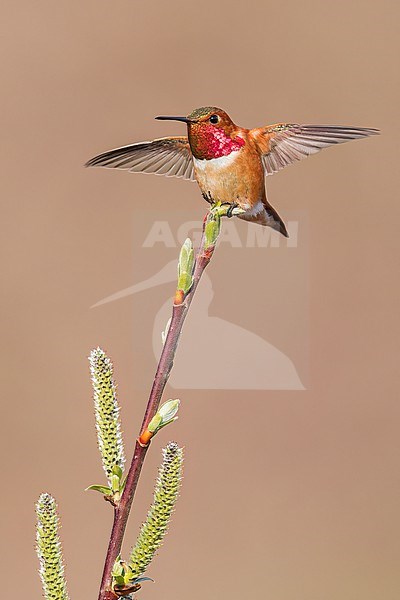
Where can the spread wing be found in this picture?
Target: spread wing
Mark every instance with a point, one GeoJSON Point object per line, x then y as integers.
{"type": "Point", "coordinates": [166, 156]}
{"type": "Point", "coordinates": [284, 143]}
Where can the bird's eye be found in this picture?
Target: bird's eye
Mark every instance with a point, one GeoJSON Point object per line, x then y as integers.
{"type": "Point", "coordinates": [214, 119]}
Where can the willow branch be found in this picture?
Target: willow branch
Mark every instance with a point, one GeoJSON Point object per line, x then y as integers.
{"type": "Point", "coordinates": [165, 364]}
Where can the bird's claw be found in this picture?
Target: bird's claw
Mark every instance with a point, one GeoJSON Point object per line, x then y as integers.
{"type": "Point", "coordinates": [229, 212]}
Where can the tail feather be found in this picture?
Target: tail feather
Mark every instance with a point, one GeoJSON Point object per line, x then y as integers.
{"type": "Point", "coordinates": [265, 214]}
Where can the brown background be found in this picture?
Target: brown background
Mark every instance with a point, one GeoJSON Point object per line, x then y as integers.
{"type": "Point", "coordinates": [298, 496]}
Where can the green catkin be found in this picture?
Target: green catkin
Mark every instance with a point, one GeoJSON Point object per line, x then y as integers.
{"type": "Point", "coordinates": [49, 551]}
{"type": "Point", "coordinates": [106, 407]}
{"type": "Point", "coordinates": [165, 495]}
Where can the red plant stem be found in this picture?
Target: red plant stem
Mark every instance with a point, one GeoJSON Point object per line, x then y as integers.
{"type": "Point", "coordinates": [122, 509]}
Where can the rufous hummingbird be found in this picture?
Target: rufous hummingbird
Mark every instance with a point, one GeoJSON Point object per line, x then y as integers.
{"type": "Point", "coordinates": [229, 162]}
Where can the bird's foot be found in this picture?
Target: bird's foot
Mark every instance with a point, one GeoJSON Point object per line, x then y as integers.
{"type": "Point", "coordinates": [227, 209]}
{"type": "Point", "coordinates": [207, 196]}
{"type": "Point", "coordinates": [230, 211]}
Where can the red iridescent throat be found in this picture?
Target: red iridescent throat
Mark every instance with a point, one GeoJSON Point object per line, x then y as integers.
{"type": "Point", "coordinates": [212, 142]}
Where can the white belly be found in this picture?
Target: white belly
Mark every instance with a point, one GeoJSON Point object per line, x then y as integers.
{"type": "Point", "coordinates": [215, 164]}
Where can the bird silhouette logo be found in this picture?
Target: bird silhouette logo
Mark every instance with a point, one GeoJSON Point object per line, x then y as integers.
{"type": "Point", "coordinates": [265, 367]}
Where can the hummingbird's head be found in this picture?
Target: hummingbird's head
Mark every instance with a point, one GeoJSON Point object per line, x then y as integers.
{"type": "Point", "coordinates": [211, 132]}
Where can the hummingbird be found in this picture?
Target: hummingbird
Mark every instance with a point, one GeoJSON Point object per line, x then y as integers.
{"type": "Point", "coordinates": [229, 163]}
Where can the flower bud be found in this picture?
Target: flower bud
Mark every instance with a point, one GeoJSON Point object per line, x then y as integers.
{"type": "Point", "coordinates": [49, 551]}
{"type": "Point", "coordinates": [212, 228]}
{"type": "Point", "coordinates": [185, 267]}
{"type": "Point", "coordinates": [166, 414]}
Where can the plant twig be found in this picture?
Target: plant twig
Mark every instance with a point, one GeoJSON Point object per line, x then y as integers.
{"type": "Point", "coordinates": [122, 508]}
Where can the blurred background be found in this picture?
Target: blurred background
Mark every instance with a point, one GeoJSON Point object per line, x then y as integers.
{"type": "Point", "coordinates": [297, 497]}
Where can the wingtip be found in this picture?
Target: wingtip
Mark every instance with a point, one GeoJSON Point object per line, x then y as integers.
{"type": "Point", "coordinates": [90, 163]}
{"type": "Point", "coordinates": [370, 131]}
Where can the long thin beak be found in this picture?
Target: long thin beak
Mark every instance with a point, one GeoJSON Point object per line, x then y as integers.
{"type": "Point", "coordinates": [184, 119]}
